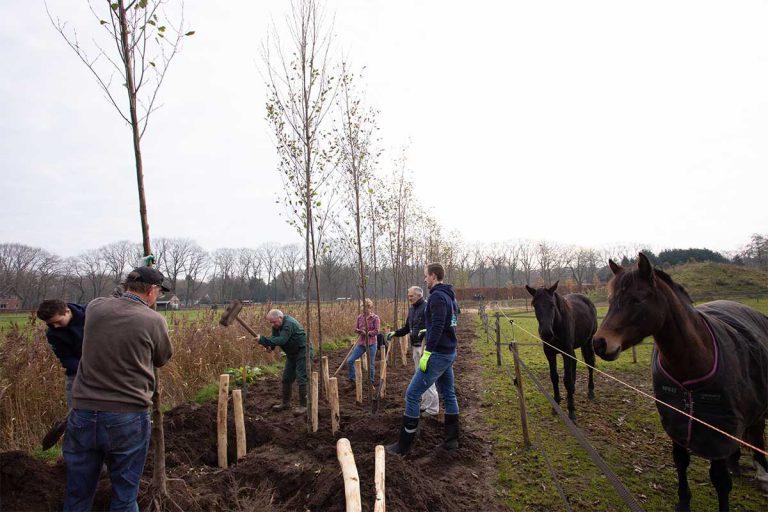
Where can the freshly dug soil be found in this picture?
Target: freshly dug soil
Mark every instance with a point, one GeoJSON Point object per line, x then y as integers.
{"type": "Point", "coordinates": [287, 469]}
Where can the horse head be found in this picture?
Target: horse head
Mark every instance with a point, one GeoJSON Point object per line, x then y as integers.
{"type": "Point", "coordinates": [544, 304]}
{"type": "Point", "coordinates": [636, 309]}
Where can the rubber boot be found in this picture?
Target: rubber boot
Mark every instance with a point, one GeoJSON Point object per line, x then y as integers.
{"type": "Point", "coordinates": [451, 432]}
{"type": "Point", "coordinates": [407, 434]}
{"type": "Point", "coordinates": [302, 408]}
{"type": "Point", "coordinates": [286, 398]}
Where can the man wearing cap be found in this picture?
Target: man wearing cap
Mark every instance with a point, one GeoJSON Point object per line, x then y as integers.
{"type": "Point", "coordinates": [124, 339]}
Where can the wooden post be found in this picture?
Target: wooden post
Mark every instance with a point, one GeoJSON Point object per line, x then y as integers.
{"type": "Point", "coordinates": [358, 381]}
{"type": "Point", "coordinates": [349, 471]}
{"type": "Point", "coordinates": [237, 401]}
{"type": "Point", "coordinates": [498, 340]}
{"type": "Point", "coordinates": [379, 479]}
{"type": "Point", "coordinates": [221, 419]}
{"type": "Point", "coordinates": [520, 395]}
{"type": "Point", "coordinates": [383, 375]}
{"type": "Point", "coordinates": [315, 392]}
{"type": "Point", "coordinates": [333, 399]}
{"type": "Point", "coordinates": [634, 354]}
{"type": "Point", "coordinates": [364, 358]}
{"type": "Point", "coordinates": [404, 351]}
{"type": "Point", "coordinates": [325, 373]}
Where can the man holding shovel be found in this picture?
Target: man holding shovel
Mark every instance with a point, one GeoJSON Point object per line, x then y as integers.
{"type": "Point", "coordinates": [288, 334]}
{"type": "Point", "coordinates": [65, 336]}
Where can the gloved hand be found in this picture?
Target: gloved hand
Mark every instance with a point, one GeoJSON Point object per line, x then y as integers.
{"type": "Point", "coordinates": [424, 360]}
{"type": "Point", "coordinates": [422, 333]}
{"type": "Point", "coordinates": [390, 335]}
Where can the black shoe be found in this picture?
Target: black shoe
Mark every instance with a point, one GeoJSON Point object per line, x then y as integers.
{"type": "Point", "coordinates": [451, 432]}
{"type": "Point", "coordinates": [286, 403]}
{"type": "Point", "coordinates": [407, 435]}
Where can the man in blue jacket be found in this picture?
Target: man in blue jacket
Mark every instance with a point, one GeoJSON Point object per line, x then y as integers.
{"type": "Point", "coordinates": [65, 323]}
{"type": "Point", "coordinates": [435, 365]}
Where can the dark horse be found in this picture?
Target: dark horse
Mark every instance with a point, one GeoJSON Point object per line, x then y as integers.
{"type": "Point", "coordinates": [709, 361]}
{"type": "Point", "coordinates": [567, 322]}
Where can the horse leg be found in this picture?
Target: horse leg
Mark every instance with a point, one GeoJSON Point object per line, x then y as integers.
{"type": "Point", "coordinates": [588, 353]}
{"type": "Point", "coordinates": [733, 463]}
{"type": "Point", "coordinates": [682, 458]}
{"type": "Point", "coordinates": [721, 479]}
{"type": "Point", "coordinates": [552, 359]}
{"type": "Point", "coordinates": [754, 435]}
{"type": "Point", "coordinates": [569, 380]}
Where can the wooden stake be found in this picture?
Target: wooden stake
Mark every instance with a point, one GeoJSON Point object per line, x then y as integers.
{"type": "Point", "coordinates": [364, 358]}
{"type": "Point", "coordinates": [634, 354]}
{"type": "Point", "coordinates": [380, 505]}
{"type": "Point", "coordinates": [237, 401]}
{"type": "Point", "coordinates": [351, 478]}
{"type": "Point", "coordinates": [333, 399]}
{"type": "Point", "coordinates": [383, 375]}
{"type": "Point", "coordinates": [325, 373]}
{"type": "Point", "coordinates": [359, 381]}
{"type": "Point", "coordinates": [221, 419]}
{"type": "Point", "coordinates": [315, 381]}
{"type": "Point", "coordinates": [521, 395]}
{"type": "Point", "coordinates": [404, 351]}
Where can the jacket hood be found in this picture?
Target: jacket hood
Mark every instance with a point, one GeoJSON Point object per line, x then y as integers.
{"type": "Point", "coordinates": [445, 288]}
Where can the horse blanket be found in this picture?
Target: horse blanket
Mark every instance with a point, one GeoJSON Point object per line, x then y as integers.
{"type": "Point", "coordinates": [731, 396]}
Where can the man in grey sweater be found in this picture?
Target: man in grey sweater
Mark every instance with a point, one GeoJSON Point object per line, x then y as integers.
{"type": "Point", "coordinates": [124, 340]}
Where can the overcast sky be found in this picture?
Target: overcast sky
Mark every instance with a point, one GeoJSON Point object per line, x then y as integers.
{"type": "Point", "coordinates": [589, 123]}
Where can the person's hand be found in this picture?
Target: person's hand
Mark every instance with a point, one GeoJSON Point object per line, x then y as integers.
{"type": "Point", "coordinates": [390, 335]}
{"type": "Point", "coordinates": [360, 331]}
{"type": "Point", "coordinates": [424, 360]}
{"type": "Point", "coordinates": [422, 333]}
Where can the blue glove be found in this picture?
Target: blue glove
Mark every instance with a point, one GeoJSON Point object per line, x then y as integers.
{"type": "Point", "coordinates": [424, 360]}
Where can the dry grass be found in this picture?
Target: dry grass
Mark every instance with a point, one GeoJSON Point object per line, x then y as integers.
{"type": "Point", "coordinates": [32, 380]}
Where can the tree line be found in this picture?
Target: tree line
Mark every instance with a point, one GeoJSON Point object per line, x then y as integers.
{"type": "Point", "coordinates": [276, 272]}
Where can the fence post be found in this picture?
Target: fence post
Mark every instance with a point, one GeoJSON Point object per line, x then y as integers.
{"type": "Point", "coordinates": [634, 354]}
{"type": "Point", "coordinates": [520, 392]}
{"type": "Point", "coordinates": [221, 419]}
{"type": "Point", "coordinates": [498, 340]}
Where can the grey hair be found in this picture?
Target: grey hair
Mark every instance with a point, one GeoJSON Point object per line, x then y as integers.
{"type": "Point", "coordinates": [275, 313]}
{"type": "Point", "coordinates": [416, 289]}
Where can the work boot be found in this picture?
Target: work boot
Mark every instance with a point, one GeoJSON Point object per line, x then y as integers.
{"type": "Point", "coordinates": [286, 398]}
{"type": "Point", "coordinates": [302, 408]}
{"type": "Point", "coordinates": [407, 435]}
{"type": "Point", "coordinates": [451, 432]}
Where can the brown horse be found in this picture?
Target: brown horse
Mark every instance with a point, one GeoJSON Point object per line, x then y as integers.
{"type": "Point", "coordinates": [567, 322]}
{"type": "Point", "coordinates": [709, 361]}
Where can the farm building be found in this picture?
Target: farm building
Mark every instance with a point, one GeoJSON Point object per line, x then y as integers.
{"type": "Point", "coordinates": [172, 302]}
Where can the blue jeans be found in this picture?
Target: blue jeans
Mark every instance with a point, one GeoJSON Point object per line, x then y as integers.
{"type": "Point", "coordinates": [121, 439]}
{"type": "Point", "coordinates": [439, 372]}
{"type": "Point", "coordinates": [356, 354]}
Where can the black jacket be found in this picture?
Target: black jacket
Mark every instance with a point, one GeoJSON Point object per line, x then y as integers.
{"type": "Point", "coordinates": [416, 321]}
{"type": "Point", "coordinates": [442, 310]}
{"type": "Point", "coordinates": [67, 342]}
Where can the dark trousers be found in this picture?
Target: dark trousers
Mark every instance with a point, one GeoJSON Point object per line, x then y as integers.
{"type": "Point", "coordinates": [296, 366]}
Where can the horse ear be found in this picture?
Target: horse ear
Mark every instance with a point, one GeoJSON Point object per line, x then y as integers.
{"type": "Point", "coordinates": [552, 288]}
{"type": "Point", "coordinates": [615, 268]}
{"type": "Point", "coordinates": [530, 290]}
{"type": "Point", "coordinates": [645, 267]}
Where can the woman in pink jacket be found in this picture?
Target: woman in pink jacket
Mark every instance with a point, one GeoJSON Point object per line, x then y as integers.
{"type": "Point", "coordinates": [367, 328]}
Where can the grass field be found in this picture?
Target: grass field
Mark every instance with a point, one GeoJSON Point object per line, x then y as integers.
{"type": "Point", "coordinates": [621, 424]}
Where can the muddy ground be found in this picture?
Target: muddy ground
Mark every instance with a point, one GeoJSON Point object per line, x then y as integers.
{"type": "Point", "coordinates": [288, 469]}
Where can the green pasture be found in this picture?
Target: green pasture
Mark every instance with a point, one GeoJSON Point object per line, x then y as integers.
{"type": "Point", "coordinates": [621, 424]}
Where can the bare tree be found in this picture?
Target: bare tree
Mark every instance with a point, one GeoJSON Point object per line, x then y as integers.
{"type": "Point", "coordinates": [119, 258]}
{"type": "Point", "coordinates": [301, 90]}
{"type": "Point", "coordinates": [290, 265]}
{"type": "Point", "coordinates": [527, 256]}
{"type": "Point", "coordinates": [142, 45]}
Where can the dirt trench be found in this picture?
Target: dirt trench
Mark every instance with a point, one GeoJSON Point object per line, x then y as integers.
{"type": "Point", "coordinates": [287, 469]}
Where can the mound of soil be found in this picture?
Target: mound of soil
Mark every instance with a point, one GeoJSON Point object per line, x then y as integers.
{"type": "Point", "coordinates": [287, 468]}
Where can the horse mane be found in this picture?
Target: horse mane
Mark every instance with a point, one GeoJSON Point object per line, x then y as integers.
{"type": "Point", "coordinates": [675, 286]}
